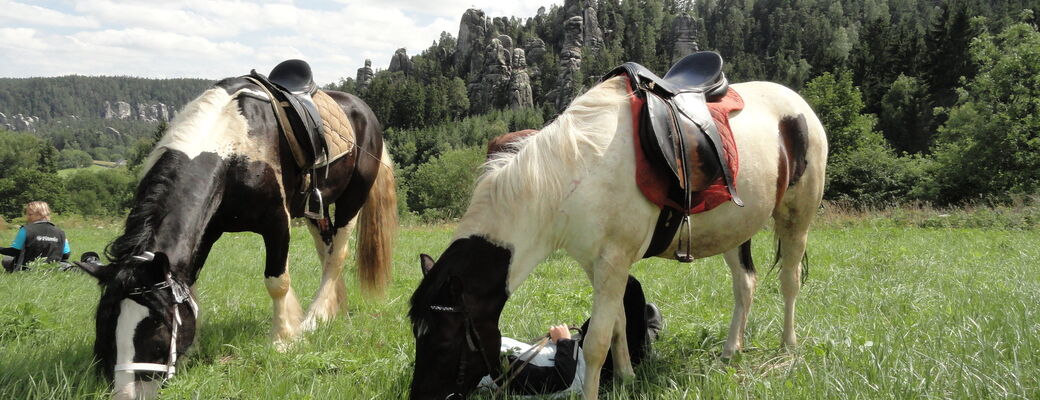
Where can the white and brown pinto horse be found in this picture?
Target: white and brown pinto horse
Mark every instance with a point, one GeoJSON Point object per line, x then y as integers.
{"type": "Point", "coordinates": [224, 166]}
{"type": "Point", "coordinates": [572, 186]}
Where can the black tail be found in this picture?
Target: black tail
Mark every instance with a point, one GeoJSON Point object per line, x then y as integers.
{"type": "Point", "coordinates": [745, 257]}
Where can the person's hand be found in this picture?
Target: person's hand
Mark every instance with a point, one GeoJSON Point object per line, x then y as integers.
{"type": "Point", "coordinates": [558, 332]}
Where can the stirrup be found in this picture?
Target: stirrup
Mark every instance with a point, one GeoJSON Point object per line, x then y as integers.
{"type": "Point", "coordinates": [315, 207]}
{"type": "Point", "coordinates": [685, 253]}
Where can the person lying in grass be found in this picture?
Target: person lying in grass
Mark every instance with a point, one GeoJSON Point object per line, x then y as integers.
{"type": "Point", "coordinates": [555, 364]}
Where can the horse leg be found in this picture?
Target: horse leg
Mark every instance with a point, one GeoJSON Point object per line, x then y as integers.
{"type": "Point", "coordinates": [610, 275]}
{"type": "Point", "coordinates": [622, 358]}
{"type": "Point", "coordinates": [619, 346]}
{"type": "Point", "coordinates": [744, 280]}
{"type": "Point", "coordinates": [332, 293]}
{"type": "Point", "coordinates": [792, 249]}
{"type": "Point", "coordinates": [287, 312]}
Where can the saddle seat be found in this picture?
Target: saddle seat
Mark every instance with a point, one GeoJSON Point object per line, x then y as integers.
{"type": "Point", "coordinates": [699, 72]}
{"type": "Point", "coordinates": [294, 76]}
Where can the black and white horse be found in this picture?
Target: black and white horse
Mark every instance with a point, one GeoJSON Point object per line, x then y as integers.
{"type": "Point", "coordinates": [224, 166]}
{"type": "Point", "coordinates": [572, 186]}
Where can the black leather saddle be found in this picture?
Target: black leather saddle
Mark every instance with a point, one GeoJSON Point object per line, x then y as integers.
{"type": "Point", "coordinates": [292, 84]}
{"type": "Point", "coordinates": [675, 125]}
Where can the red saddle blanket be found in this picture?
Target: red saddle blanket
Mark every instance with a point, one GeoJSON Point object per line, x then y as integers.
{"type": "Point", "coordinates": [654, 183]}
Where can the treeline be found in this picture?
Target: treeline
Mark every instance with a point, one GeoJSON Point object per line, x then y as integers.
{"type": "Point", "coordinates": [84, 96]}
{"type": "Point", "coordinates": [899, 85]}
{"type": "Point", "coordinates": [29, 171]}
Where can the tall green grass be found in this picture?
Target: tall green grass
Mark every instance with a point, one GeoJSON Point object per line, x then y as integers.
{"type": "Point", "coordinates": [888, 312]}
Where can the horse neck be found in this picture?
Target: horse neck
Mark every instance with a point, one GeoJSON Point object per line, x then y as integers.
{"type": "Point", "coordinates": [190, 203]}
{"type": "Point", "coordinates": [529, 233]}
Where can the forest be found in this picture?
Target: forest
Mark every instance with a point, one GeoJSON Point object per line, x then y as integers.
{"type": "Point", "coordinates": [923, 101]}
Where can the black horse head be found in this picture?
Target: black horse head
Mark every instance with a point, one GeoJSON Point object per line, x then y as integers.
{"type": "Point", "coordinates": [454, 316]}
{"type": "Point", "coordinates": [146, 320]}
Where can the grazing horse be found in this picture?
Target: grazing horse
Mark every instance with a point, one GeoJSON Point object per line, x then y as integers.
{"type": "Point", "coordinates": [225, 166]}
{"type": "Point", "coordinates": [572, 186]}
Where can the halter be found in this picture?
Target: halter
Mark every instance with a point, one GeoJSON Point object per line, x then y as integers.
{"type": "Point", "coordinates": [181, 295]}
{"type": "Point", "coordinates": [473, 342]}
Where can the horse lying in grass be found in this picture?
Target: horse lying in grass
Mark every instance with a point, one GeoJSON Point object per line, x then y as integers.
{"type": "Point", "coordinates": [224, 166]}
{"type": "Point", "coordinates": [571, 186]}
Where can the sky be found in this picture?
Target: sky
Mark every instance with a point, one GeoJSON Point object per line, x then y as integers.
{"type": "Point", "coordinates": [214, 39]}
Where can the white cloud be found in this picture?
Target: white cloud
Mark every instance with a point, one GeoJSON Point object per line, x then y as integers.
{"type": "Point", "coordinates": [35, 15]}
{"type": "Point", "coordinates": [218, 38]}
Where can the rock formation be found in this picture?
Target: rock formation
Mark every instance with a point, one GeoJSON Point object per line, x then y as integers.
{"type": "Point", "coordinates": [155, 112]}
{"type": "Point", "coordinates": [591, 34]}
{"type": "Point", "coordinates": [473, 35]}
{"type": "Point", "coordinates": [19, 122]}
{"type": "Point", "coordinates": [492, 88]}
{"type": "Point", "coordinates": [365, 75]}
{"type": "Point", "coordinates": [520, 94]}
{"type": "Point", "coordinates": [122, 110]}
{"type": "Point", "coordinates": [569, 85]}
{"type": "Point", "coordinates": [401, 62]}
{"type": "Point", "coordinates": [685, 28]}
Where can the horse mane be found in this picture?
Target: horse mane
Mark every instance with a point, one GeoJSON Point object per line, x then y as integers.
{"type": "Point", "coordinates": [147, 212]}
{"type": "Point", "coordinates": [543, 164]}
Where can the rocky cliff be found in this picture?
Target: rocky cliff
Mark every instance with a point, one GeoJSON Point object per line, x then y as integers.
{"type": "Point", "coordinates": [157, 112]}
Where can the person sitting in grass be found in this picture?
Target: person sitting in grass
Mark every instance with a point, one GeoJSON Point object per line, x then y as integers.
{"type": "Point", "coordinates": [555, 365]}
{"type": "Point", "coordinates": [37, 239]}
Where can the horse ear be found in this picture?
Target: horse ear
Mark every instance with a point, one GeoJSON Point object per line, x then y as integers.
{"type": "Point", "coordinates": [426, 263]}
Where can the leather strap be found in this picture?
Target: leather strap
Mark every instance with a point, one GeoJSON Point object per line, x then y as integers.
{"type": "Point", "coordinates": [283, 121]}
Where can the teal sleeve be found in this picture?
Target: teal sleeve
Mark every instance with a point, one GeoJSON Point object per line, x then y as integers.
{"type": "Point", "coordinates": [67, 249]}
{"type": "Point", "coordinates": [19, 240]}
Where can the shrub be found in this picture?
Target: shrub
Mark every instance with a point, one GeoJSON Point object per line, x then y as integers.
{"type": "Point", "coordinates": [440, 189]}
{"type": "Point", "coordinates": [100, 192]}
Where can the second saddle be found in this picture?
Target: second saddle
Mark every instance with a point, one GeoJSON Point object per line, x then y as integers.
{"type": "Point", "coordinates": [677, 131]}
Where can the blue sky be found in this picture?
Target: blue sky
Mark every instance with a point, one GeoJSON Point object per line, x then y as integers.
{"type": "Point", "coordinates": [219, 38]}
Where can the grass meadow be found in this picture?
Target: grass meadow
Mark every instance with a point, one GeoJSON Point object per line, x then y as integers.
{"type": "Point", "coordinates": [889, 311]}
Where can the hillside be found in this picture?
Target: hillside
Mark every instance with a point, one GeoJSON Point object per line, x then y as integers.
{"type": "Point", "coordinates": [86, 96]}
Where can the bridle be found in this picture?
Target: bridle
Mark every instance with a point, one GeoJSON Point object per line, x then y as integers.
{"type": "Point", "coordinates": [473, 342]}
{"type": "Point", "coordinates": [181, 294]}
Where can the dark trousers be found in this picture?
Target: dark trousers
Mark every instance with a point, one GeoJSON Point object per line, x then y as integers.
{"type": "Point", "coordinates": [8, 263]}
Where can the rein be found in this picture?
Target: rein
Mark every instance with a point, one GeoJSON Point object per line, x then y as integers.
{"type": "Point", "coordinates": [181, 295]}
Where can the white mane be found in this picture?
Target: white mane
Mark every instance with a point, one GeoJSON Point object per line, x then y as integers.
{"type": "Point", "coordinates": [547, 165]}
{"type": "Point", "coordinates": [206, 124]}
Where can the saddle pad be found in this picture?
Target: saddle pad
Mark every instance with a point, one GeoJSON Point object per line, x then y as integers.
{"type": "Point", "coordinates": [655, 184]}
{"type": "Point", "coordinates": [339, 134]}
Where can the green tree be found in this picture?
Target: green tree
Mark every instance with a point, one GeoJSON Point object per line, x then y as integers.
{"type": "Point", "coordinates": [73, 158]}
{"type": "Point", "coordinates": [839, 105]}
{"type": "Point", "coordinates": [990, 143]}
{"type": "Point", "coordinates": [906, 115]}
{"type": "Point", "coordinates": [26, 185]}
{"type": "Point", "coordinates": [441, 188]}
{"type": "Point", "coordinates": [104, 192]}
